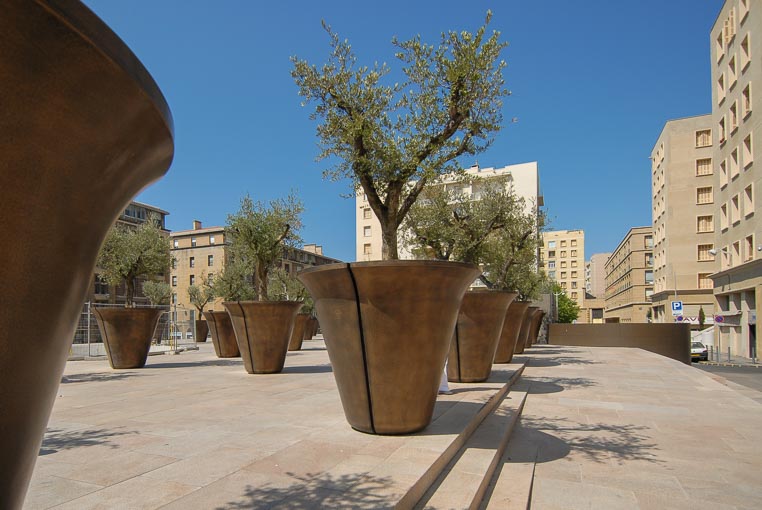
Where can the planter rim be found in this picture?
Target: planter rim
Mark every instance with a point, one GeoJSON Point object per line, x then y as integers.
{"type": "Point", "coordinates": [263, 302]}
{"type": "Point", "coordinates": [490, 291]}
{"type": "Point", "coordinates": [388, 263]}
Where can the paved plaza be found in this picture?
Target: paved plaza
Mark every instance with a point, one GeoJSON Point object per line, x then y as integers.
{"type": "Point", "coordinates": [601, 428]}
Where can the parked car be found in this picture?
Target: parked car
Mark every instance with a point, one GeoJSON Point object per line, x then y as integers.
{"type": "Point", "coordinates": [699, 352]}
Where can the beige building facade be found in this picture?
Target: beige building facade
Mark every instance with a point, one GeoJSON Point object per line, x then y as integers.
{"type": "Point", "coordinates": [629, 278]}
{"type": "Point", "coordinates": [683, 207]}
{"type": "Point", "coordinates": [736, 63]}
{"type": "Point", "coordinates": [595, 275]}
{"type": "Point", "coordinates": [524, 178]}
{"type": "Point", "coordinates": [562, 257]}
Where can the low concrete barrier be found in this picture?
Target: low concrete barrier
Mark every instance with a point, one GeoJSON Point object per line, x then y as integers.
{"type": "Point", "coordinates": [670, 340]}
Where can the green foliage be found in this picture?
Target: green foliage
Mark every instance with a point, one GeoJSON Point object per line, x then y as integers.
{"type": "Point", "coordinates": [158, 293]}
{"type": "Point", "coordinates": [201, 295]}
{"type": "Point", "coordinates": [568, 309]}
{"type": "Point", "coordinates": [234, 283]}
{"type": "Point", "coordinates": [510, 256]}
{"type": "Point", "coordinates": [259, 232]}
{"type": "Point", "coordinates": [284, 286]}
{"type": "Point", "coordinates": [447, 222]}
{"type": "Point", "coordinates": [382, 135]}
{"type": "Point", "coordinates": [701, 317]}
{"type": "Point", "coordinates": [128, 253]}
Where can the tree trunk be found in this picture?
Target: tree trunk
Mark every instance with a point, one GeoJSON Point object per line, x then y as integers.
{"type": "Point", "coordinates": [129, 290]}
{"type": "Point", "coordinates": [262, 283]}
{"type": "Point", "coordinates": [389, 249]}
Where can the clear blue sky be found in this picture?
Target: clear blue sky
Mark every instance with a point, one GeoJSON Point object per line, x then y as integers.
{"type": "Point", "coordinates": [593, 83]}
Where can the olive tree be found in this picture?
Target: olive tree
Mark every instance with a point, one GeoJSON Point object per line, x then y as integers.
{"type": "Point", "coordinates": [233, 283]}
{"type": "Point", "coordinates": [392, 139]}
{"type": "Point", "coordinates": [201, 295]}
{"type": "Point", "coordinates": [158, 293]}
{"type": "Point", "coordinates": [131, 252]}
{"type": "Point", "coordinates": [259, 233]}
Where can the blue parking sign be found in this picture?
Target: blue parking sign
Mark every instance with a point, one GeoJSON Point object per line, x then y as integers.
{"type": "Point", "coordinates": [677, 308]}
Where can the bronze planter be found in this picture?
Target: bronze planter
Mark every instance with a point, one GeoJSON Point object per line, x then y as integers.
{"type": "Point", "coordinates": [223, 336]}
{"type": "Point", "coordinates": [263, 330]}
{"type": "Point", "coordinates": [477, 332]}
{"type": "Point", "coordinates": [297, 335]}
{"type": "Point", "coordinates": [310, 329]}
{"type": "Point", "coordinates": [127, 334]}
{"type": "Point", "coordinates": [202, 330]}
{"type": "Point", "coordinates": [511, 329]}
{"type": "Point", "coordinates": [387, 327]}
{"type": "Point", "coordinates": [524, 332]}
{"type": "Point", "coordinates": [534, 329]}
{"type": "Point", "coordinates": [85, 128]}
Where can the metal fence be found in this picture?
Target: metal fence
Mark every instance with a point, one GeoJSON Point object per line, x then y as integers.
{"type": "Point", "coordinates": [175, 331]}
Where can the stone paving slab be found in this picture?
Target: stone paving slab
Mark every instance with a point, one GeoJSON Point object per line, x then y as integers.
{"type": "Point", "coordinates": [194, 431]}
{"type": "Point", "coordinates": [625, 428]}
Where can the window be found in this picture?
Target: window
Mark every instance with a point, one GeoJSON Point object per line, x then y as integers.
{"type": "Point", "coordinates": [563, 274]}
{"type": "Point", "coordinates": [736, 256]}
{"type": "Point", "coordinates": [552, 274]}
{"type": "Point", "coordinates": [705, 224]}
{"type": "Point", "coordinates": [366, 250]}
{"type": "Point", "coordinates": [552, 254]}
{"type": "Point", "coordinates": [563, 244]}
{"type": "Point", "coordinates": [704, 282]}
{"type": "Point", "coordinates": [210, 260]}
{"type": "Point", "coordinates": [649, 260]}
{"type": "Point", "coordinates": [563, 285]}
{"type": "Point", "coordinates": [649, 277]}
{"type": "Point", "coordinates": [574, 294]}
{"type": "Point", "coordinates": [748, 200]}
{"type": "Point", "coordinates": [735, 209]}
{"type": "Point", "coordinates": [749, 248]}
{"type": "Point", "coordinates": [704, 138]}
{"type": "Point", "coordinates": [101, 287]}
{"type": "Point", "coordinates": [211, 240]}
{"type": "Point", "coordinates": [192, 262]}
{"type": "Point", "coordinates": [724, 216]}
{"type": "Point", "coordinates": [732, 74]}
{"type": "Point", "coordinates": [366, 232]}
{"type": "Point", "coordinates": [573, 243]}
{"type": "Point", "coordinates": [563, 254]}
{"type": "Point", "coordinates": [704, 254]}
{"type": "Point", "coordinates": [726, 261]}
{"type": "Point", "coordinates": [574, 253]}
{"type": "Point", "coordinates": [174, 281]}
{"type": "Point", "coordinates": [193, 241]}
{"type": "Point", "coordinates": [733, 117]}
{"type": "Point", "coordinates": [573, 263]}
{"type": "Point", "coordinates": [552, 264]}
{"type": "Point", "coordinates": [746, 100]}
{"type": "Point", "coordinates": [744, 10]}
{"type": "Point", "coordinates": [734, 164]}
{"type": "Point", "coordinates": [563, 264]}
{"type": "Point", "coordinates": [366, 213]}
{"type": "Point", "coordinates": [174, 263]}
{"type": "Point", "coordinates": [748, 153]}
{"type": "Point", "coordinates": [192, 279]}
{"type": "Point", "coordinates": [551, 245]}
{"type": "Point", "coordinates": [704, 195]}
{"type": "Point", "coordinates": [704, 166]}
{"type": "Point", "coordinates": [729, 27]}
{"type": "Point", "coordinates": [721, 127]}
{"type": "Point", "coordinates": [573, 274]}
{"type": "Point", "coordinates": [723, 173]}
{"type": "Point", "coordinates": [648, 241]}
{"type": "Point", "coordinates": [721, 90]}
{"type": "Point", "coordinates": [174, 298]}
{"type": "Point", "coordinates": [745, 53]}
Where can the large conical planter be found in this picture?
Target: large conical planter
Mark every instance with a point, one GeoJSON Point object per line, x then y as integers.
{"type": "Point", "coordinates": [387, 327]}
{"type": "Point", "coordinates": [534, 329]}
{"type": "Point", "coordinates": [202, 330]}
{"type": "Point", "coordinates": [477, 332]}
{"type": "Point", "coordinates": [127, 334]}
{"type": "Point", "coordinates": [263, 330]}
{"type": "Point", "coordinates": [223, 336]}
{"type": "Point", "coordinates": [511, 329]}
{"type": "Point", "coordinates": [526, 324]}
{"type": "Point", "coordinates": [310, 330]}
{"type": "Point", "coordinates": [84, 129]}
{"type": "Point", "coordinates": [297, 335]}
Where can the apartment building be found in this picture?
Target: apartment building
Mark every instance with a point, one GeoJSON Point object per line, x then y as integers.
{"type": "Point", "coordinates": [630, 278]}
{"type": "Point", "coordinates": [562, 257]}
{"type": "Point", "coordinates": [133, 215]}
{"type": "Point", "coordinates": [595, 275]}
{"type": "Point", "coordinates": [683, 206]}
{"type": "Point", "coordinates": [202, 251]}
{"type": "Point", "coordinates": [524, 178]}
{"type": "Point", "coordinates": [736, 48]}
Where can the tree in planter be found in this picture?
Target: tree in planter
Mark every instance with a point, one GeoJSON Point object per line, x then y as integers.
{"type": "Point", "coordinates": [234, 283]}
{"type": "Point", "coordinates": [259, 233]}
{"type": "Point", "coordinates": [202, 295]}
{"type": "Point", "coordinates": [158, 293]}
{"type": "Point", "coordinates": [128, 253]}
{"type": "Point", "coordinates": [448, 223]}
{"type": "Point", "coordinates": [392, 140]}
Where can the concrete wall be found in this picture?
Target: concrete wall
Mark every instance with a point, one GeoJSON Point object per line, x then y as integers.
{"type": "Point", "coordinates": [670, 340]}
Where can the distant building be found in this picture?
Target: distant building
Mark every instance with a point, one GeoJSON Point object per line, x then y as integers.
{"type": "Point", "coordinates": [737, 93]}
{"type": "Point", "coordinates": [524, 178]}
{"type": "Point", "coordinates": [202, 251]}
{"type": "Point", "coordinates": [683, 208]}
{"type": "Point", "coordinates": [562, 257]}
{"type": "Point", "coordinates": [629, 278]}
{"type": "Point", "coordinates": [595, 275]}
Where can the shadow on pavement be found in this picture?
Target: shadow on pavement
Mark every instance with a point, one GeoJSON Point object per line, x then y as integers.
{"type": "Point", "coordinates": [98, 377]}
{"type": "Point", "coordinates": [227, 362]}
{"type": "Point", "coordinates": [309, 369]}
{"type": "Point", "coordinates": [321, 490]}
{"type": "Point", "coordinates": [542, 385]}
{"type": "Point", "coordinates": [56, 439]}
